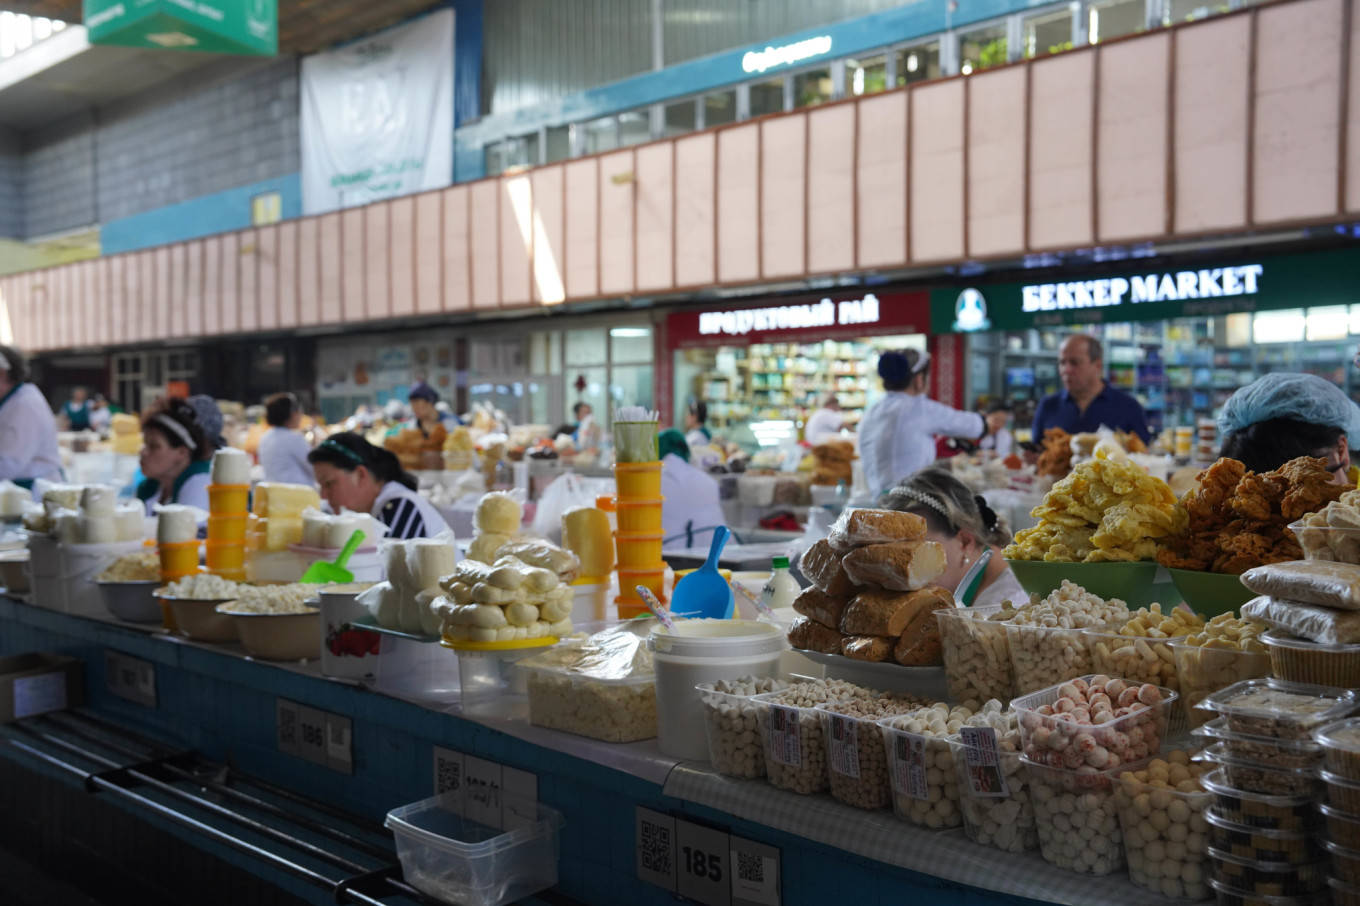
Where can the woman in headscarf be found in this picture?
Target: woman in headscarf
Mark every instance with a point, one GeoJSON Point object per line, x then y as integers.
{"type": "Point", "coordinates": [28, 431]}
{"type": "Point", "coordinates": [176, 456]}
{"type": "Point", "coordinates": [1283, 416]}
{"type": "Point", "coordinates": [691, 509]}
{"type": "Point", "coordinates": [353, 474]}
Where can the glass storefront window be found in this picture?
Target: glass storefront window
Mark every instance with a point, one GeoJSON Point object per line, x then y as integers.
{"type": "Point", "coordinates": [767, 97]}
{"type": "Point", "coordinates": [631, 386]}
{"type": "Point", "coordinates": [635, 127]}
{"type": "Point", "coordinates": [602, 135]}
{"type": "Point", "coordinates": [680, 118]}
{"type": "Point", "coordinates": [867, 76]}
{"type": "Point", "coordinates": [1185, 10]}
{"type": "Point", "coordinates": [812, 88]}
{"type": "Point", "coordinates": [919, 63]}
{"type": "Point", "coordinates": [587, 346]}
{"type": "Point", "coordinates": [982, 48]}
{"type": "Point", "coordinates": [558, 144]}
{"type": "Point", "coordinates": [521, 151]}
{"type": "Point", "coordinates": [1278, 326]}
{"type": "Point", "coordinates": [719, 108]}
{"type": "Point", "coordinates": [1113, 20]}
{"type": "Point", "coordinates": [630, 344]}
{"type": "Point", "coordinates": [1047, 33]}
{"type": "Point", "coordinates": [493, 162]}
{"type": "Point", "coordinates": [545, 352]}
{"type": "Point", "coordinates": [594, 382]}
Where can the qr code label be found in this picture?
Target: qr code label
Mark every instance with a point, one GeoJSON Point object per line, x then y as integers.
{"type": "Point", "coordinates": [448, 778]}
{"type": "Point", "coordinates": [656, 848]}
{"type": "Point", "coordinates": [750, 868]}
{"type": "Point", "coordinates": [756, 882]}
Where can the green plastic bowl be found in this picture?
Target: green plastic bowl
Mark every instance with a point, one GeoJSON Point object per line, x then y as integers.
{"type": "Point", "coordinates": [1210, 593]}
{"type": "Point", "coordinates": [1130, 582]}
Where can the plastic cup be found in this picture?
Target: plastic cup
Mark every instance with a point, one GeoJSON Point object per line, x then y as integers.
{"type": "Point", "coordinates": [638, 480]}
{"type": "Point", "coordinates": [227, 528]}
{"type": "Point", "coordinates": [639, 552]}
{"type": "Point", "coordinates": [639, 516]}
{"type": "Point", "coordinates": [653, 579]}
{"type": "Point", "coordinates": [226, 555]}
{"type": "Point", "coordinates": [229, 499]}
{"type": "Point", "coordinates": [178, 559]}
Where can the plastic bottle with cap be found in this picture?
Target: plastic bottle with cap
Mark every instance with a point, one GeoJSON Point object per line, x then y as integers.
{"type": "Point", "coordinates": [781, 588]}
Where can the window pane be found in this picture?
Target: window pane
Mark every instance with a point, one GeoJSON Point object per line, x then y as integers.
{"type": "Point", "coordinates": [635, 127]}
{"type": "Point", "coordinates": [586, 347]}
{"type": "Point", "coordinates": [812, 88]}
{"type": "Point", "coordinates": [631, 344]}
{"type": "Point", "coordinates": [867, 76]}
{"type": "Point", "coordinates": [631, 386]}
{"type": "Point", "coordinates": [521, 151]}
{"type": "Point", "coordinates": [680, 118]}
{"type": "Point", "coordinates": [602, 135]}
{"type": "Point", "coordinates": [494, 160]}
{"type": "Point", "coordinates": [767, 97]}
{"type": "Point", "coordinates": [558, 146]}
{"type": "Point", "coordinates": [1181, 10]}
{"type": "Point", "coordinates": [1048, 33]}
{"type": "Point", "coordinates": [916, 64]}
{"type": "Point", "coordinates": [720, 108]}
{"type": "Point", "coordinates": [982, 48]}
{"type": "Point", "coordinates": [1113, 20]}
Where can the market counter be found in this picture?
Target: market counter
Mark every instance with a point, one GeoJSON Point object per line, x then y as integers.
{"type": "Point", "coordinates": [217, 701]}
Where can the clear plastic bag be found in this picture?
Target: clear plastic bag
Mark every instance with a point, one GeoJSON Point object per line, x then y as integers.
{"type": "Point", "coordinates": [1307, 621]}
{"type": "Point", "coordinates": [1323, 582]}
{"type": "Point", "coordinates": [564, 493]}
{"type": "Point", "coordinates": [856, 528]}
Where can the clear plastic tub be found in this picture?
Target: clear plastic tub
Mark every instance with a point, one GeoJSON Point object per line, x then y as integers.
{"type": "Point", "coordinates": [486, 677]}
{"type": "Point", "coordinates": [1005, 822]}
{"type": "Point", "coordinates": [977, 655]}
{"type": "Point", "coordinates": [800, 765]}
{"type": "Point", "coordinates": [1135, 658]}
{"type": "Point", "coordinates": [856, 762]}
{"type": "Point", "coordinates": [1285, 753]}
{"type": "Point", "coordinates": [1041, 655]}
{"type": "Point", "coordinates": [1258, 777]}
{"type": "Point", "coordinates": [734, 746]}
{"type": "Point", "coordinates": [1262, 707]}
{"type": "Point", "coordinates": [1252, 809]}
{"type": "Point", "coordinates": [1231, 896]}
{"type": "Point", "coordinates": [1300, 661]}
{"type": "Point", "coordinates": [1260, 844]}
{"type": "Point", "coordinates": [1132, 737]}
{"type": "Point", "coordinates": [1203, 670]}
{"type": "Point", "coordinates": [612, 710]}
{"type": "Point", "coordinates": [457, 860]}
{"type": "Point", "coordinates": [1268, 879]}
{"type": "Point", "coordinates": [1165, 837]}
{"type": "Point", "coordinates": [1341, 792]}
{"type": "Point", "coordinates": [1342, 826]}
{"type": "Point", "coordinates": [1345, 861]}
{"type": "Point", "coordinates": [1077, 818]}
{"type": "Point", "coordinates": [926, 795]}
{"type": "Point", "coordinates": [1340, 744]}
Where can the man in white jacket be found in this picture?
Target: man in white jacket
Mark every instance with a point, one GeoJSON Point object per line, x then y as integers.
{"type": "Point", "coordinates": [28, 430]}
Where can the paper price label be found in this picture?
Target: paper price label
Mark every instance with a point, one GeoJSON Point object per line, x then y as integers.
{"type": "Point", "coordinates": [782, 735]}
{"type": "Point", "coordinates": [909, 765]}
{"type": "Point", "coordinates": [982, 755]}
{"type": "Point", "coordinates": [311, 734]}
{"type": "Point", "coordinates": [842, 745]}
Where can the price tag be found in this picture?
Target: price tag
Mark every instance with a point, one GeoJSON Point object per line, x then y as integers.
{"type": "Point", "coordinates": [755, 873]}
{"type": "Point", "coordinates": [339, 743]}
{"type": "Point", "coordinates": [701, 864]}
{"type": "Point", "coordinates": [312, 734]}
{"type": "Point", "coordinates": [130, 678]}
{"type": "Point", "coordinates": [982, 755]}
{"type": "Point", "coordinates": [842, 745]}
{"type": "Point", "coordinates": [781, 732]}
{"type": "Point", "coordinates": [286, 726]}
{"type": "Point", "coordinates": [39, 694]}
{"type": "Point", "coordinates": [655, 848]}
{"type": "Point", "coordinates": [909, 765]}
{"type": "Point", "coordinates": [482, 801]}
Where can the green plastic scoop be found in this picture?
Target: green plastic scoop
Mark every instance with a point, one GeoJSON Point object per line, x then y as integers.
{"type": "Point", "coordinates": [323, 572]}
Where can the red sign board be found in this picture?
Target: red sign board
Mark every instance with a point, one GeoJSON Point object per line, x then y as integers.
{"type": "Point", "coordinates": [800, 320]}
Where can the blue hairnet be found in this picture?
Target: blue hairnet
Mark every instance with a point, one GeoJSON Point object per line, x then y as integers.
{"type": "Point", "coordinates": [1302, 397]}
{"type": "Point", "coordinates": [672, 441]}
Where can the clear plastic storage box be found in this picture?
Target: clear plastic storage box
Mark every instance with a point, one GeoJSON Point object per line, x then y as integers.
{"type": "Point", "coordinates": [1264, 707]}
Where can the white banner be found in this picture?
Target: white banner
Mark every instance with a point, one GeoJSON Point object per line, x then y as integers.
{"type": "Point", "coordinates": [377, 116]}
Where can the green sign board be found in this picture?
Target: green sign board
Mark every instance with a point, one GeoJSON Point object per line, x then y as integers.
{"type": "Point", "coordinates": [214, 26]}
{"type": "Point", "coordinates": [1241, 284]}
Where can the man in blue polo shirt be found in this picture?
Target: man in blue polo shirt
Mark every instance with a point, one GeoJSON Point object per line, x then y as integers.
{"type": "Point", "coordinates": [1087, 401]}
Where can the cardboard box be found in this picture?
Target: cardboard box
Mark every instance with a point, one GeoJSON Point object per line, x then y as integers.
{"type": "Point", "coordinates": [36, 683]}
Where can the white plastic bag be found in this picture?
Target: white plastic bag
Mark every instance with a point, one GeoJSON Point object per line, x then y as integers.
{"type": "Point", "coordinates": [1307, 621]}
{"type": "Point", "coordinates": [564, 493]}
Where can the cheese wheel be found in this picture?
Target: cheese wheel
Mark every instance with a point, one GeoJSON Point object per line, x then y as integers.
{"type": "Point", "coordinates": [98, 500]}
{"type": "Point", "coordinates": [281, 531]}
{"type": "Point", "coordinates": [428, 560]}
{"type": "Point", "coordinates": [274, 498]}
{"type": "Point", "coordinates": [176, 524]}
{"type": "Point", "coordinates": [127, 521]}
{"type": "Point", "coordinates": [97, 530]}
{"type": "Point", "coordinates": [586, 533]}
{"type": "Point", "coordinates": [316, 528]}
{"type": "Point", "coordinates": [230, 466]}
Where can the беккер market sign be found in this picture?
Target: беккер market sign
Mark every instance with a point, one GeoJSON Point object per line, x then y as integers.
{"type": "Point", "coordinates": [215, 26]}
{"type": "Point", "coordinates": [1259, 284]}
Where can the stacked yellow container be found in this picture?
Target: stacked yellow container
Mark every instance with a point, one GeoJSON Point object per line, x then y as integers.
{"type": "Point", "coordinates": [228, 509]}
{"type": "Point", "coordinates": [637, 479]}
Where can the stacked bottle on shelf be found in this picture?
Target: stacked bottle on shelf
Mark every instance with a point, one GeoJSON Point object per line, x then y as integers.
{"type": "Point", "coordinates": [637, 480]}
{"type": "Point", "coordinates": [228, 505]}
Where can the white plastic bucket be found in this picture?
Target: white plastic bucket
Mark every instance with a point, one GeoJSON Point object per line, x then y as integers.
{"type": "Point", "coordinates": [704, 651]}
{"type": "Point", "coordinates": [80, 564]}
{"type": "Point", "coordinates": [340, 654]}
{"type": "Point", "coordinates": [590, 603]}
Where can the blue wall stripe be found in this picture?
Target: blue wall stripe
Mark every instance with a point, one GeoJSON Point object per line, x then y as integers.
{"type": "Point", "coordinates": [217, 213]}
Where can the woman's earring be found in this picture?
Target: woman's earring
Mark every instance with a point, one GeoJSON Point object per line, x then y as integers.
{"type": "Point", "coordinates": [967, 560]}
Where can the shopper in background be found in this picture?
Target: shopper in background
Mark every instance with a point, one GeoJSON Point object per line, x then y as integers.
{"type": "Point", "coordinates": [897, 434]}
{"type": "Point", "coordinates": [283, 450]}
{"type": "Point", "coordinates": [176, 453]}
{"type": "Point", "coordinates": [424, 400]}
{"type": "Point", "coordinates": [696, 427]}
{"type": "Point", "coordinates": [998, 438]}
{"type": "Point", "coordinates": [691, 509]}
{"type": "Point", "coordinates": [1282, 416]}
{"type": "Point", "coordinates": [965, 526]}
{"type": "Point", "coordinates": [28, 431]}
{"type": "Point", "coordinates": [825, 423]}
{"type": "Point", "coordinates": [75, 412]}
{"type": "Point", "coordinates": [355, 475]}
{"type": "Point", "coordinates": [1087, 402]}
{"type": "Point", "coordinates": [101, 415]}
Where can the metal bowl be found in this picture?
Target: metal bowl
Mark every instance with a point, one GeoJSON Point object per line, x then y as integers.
{"type": "Point", "coordinates": [132, 601]}
{"type": "Point", "coordinates": [198, 618]}
{"type": "Point", "coordinates": [277, 636]}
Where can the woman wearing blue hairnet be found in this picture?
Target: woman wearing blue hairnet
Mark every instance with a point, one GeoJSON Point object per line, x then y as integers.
{"type": "Point", "coordinates": [1284, 416]}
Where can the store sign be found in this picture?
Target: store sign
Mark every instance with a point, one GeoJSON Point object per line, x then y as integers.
{"type": "Point", "coordinates": [786, 55]}
{"type": "Point", "coordinates": [215, 26]}
{"type": "Point", "coordinates": [1176, 287]}
{"type": "Point", "coordinates": [790, 317]}
{"type": "Point", "coordinates": [970, 312]}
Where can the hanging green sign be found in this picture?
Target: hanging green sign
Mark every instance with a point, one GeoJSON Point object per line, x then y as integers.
{"type": "Point", "coordinates": [213, 26]}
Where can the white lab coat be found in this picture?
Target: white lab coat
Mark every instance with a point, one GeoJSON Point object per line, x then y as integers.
{"type": "Point", "coordinates": [822, 426]}
{"type": "Point", "coordinates": [897, 436]}
{"type": "Point", "coordinates": [283, 456]}
{"type": "Point", "coordinates": [691, 503]}
{"type": "Point", "coordinates": [28, 436]}
{"type": "Point", "coordinates": [1005, 588]}
{"type": "Point", "coordinates": [1001, 443]}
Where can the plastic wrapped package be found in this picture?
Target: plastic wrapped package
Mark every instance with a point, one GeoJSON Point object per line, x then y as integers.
{"type": "Point", "coordinates": [314, 527]}
{"type": "Point", "coordinates": [231, 466]}
{"type": "Point", "coordinates": [603, 687]}
{"type": "Point", "coordinates": [1308, 621]}
{"type": "Point", "coordinates": [1312, 663]}
{"type": "Point", "coordinates": [97, 529]}
{"type": "Point", "coordinates": [825, 569]}
{"type": "Point", "coordinates": [429, 559]}
{"type": "Point", "coordinates": [498, 513]}
{"type": "Point", "coordinates": [129, 521]}
{"type": "Point", "coordinates": [1262, 707]}
{"type": "Point", "coordinates": [1321, 582]}
{"type": "Point", "coordinates": [856, 528]}
{"type": "Point", "coordinates": [14, 500]}
{"type": "Point", "coordinates": [383, 601]}
{"type": "Point", "coordinates": [896, 565]}
{"type": "Point", "coordinates": [544, 555]}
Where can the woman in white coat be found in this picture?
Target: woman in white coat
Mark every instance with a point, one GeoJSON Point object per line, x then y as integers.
{"type": "Point", "coordinates": [691, 509]}
{"type": "Point", "coordinates": [28, 430]}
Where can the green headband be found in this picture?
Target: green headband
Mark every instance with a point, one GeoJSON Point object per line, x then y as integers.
{"type": "Point", "coordinates": [330, 444]}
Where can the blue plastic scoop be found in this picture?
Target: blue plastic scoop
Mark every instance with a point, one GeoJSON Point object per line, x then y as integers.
{"type": "Point", "coordinates": [704, 592]}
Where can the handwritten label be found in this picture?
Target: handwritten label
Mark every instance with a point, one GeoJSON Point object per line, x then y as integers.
{"type": "Point", "coordinates": [842, 745]}
{"type": "Point", "coordinates": [982, 755]}
{"type": "Point", "coordinates": [909, 765]}
{"type": "Point", "coordinates": [782, 735]}
{"type": "Point", "coordinates": [482, 801]}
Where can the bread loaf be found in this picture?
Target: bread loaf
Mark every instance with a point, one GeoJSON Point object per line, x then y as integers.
{"type": "Point", "coordinates": [816, 604]}
{"type": "Point", "coordinates": [928, 563]}
{"type": "Point", "coordinates": [809, 635]}
{"type": "Point", "coordinates": [823, 568]}
{"type": "Point", "coordinates": [877, 611]}
{"type": "Point", "coordinates": [919, 644]}
{"type": "Point", "coordinates": [857, 528]}
{"type": "Point", "coordinates": [866, 647]}
{"type": "Point", "coordinates": [884, 565]}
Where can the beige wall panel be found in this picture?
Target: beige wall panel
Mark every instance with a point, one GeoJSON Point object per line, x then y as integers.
{"type": "Point", "coordinates": [267, 242]}
{"type": "Point", "coordinates": [1211, 125]}
{"type": "Point", "coordinates": [55, 319]}
{"type": "Point", "coordinates": [831, 189]}
{"type": "Point", "coordinates": [1297, 110]}
{"type": "Point", "coordinates": [882, 182]}
{"type": "Point", "coordinates": [232, 297]}
{"type": "Point", "coordinates": [996, 162]}
{"type": "Point", "coordinates": [377, 260]}
{"type": "Point", "coordinates": [193, 288]}
{"type": "Point", "coordinates": [936, 202]}
{"type": "Point", "coordinates": [429, 252]}
{"type": "Point", "coordinates": [456, 251]}
{"type": "Point", "coordinates": [738, 205]}
{"type": "Point", "coordinates": [26, 325]}
{"type": "Point", "coordinates": [484, 242]}
{"type": "Point", "coordinates": [695, 159]}
{"type": "Point", "coordinates": [146, 262]}
{"type": "Point", "coordinates": [1353, 115]}
{"type": "Point", "coordinates": [329, 266]}
{"type": "Point", "coordinates": [549, 242]}
{"type": "Point", "coordinates": [179, 290]}
{"type": "Point", "coordinates": [655, 216]}
{"type": "Point", "coordinates": [212, 287]}
{"type": "Point", "coordinates": [79, 310]}
{"type": "Point", "coordinates": [309, 271]}
{"type": "Point", "coordinates": [783, 156]}
{"type": "Point", "coordinates": [1131, 142]}
{"type": "Point", "coordinates": [288, 274]}
{"type": "Point", "coordinates": [248, 269]}
{"type": "Point", "coordinates": [352, 280]}
{"type": "Point", "coordinates": [402, 255]}
{"type": "Point", "coordinates": [117, 295]}
{"type": "Point", "coordinates": [582, 265]}
{"type": "Point", "coordinates": [164, 295]}
{"type": "Point", "coordinates": [616, 222]}
{"type": "Point", "coordinates": [1061, 151]}
{"type": "Point", "coordinates": [92, 304]}
{"type": "Point", "coordinates": [40, 294]}
{"type": "Point", "coordinates": [517, 236]}
{"type": "Point", "coordinates": [16, 310]}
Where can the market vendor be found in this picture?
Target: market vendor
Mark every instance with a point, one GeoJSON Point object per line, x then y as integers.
{"type": "Point", "coordinates": [1087, 402]}
{"type": "Point", "coordinates": [283, 449]}
{"type": "Point", "coordinates": [691, 510]}
{"type": "Point", "coordinates": [353, 474]}
{"type": "Point", "coordinates": [965, 526]}
{"type": "Point", "coordinates": [1283, 416]}
{"type": "Point", "coordinates": [424, 401]}
{"type": "Point", "coordinates": [28, 431]}
{"type": "Point", "coordinates": [696, 425]}
{"type": "Point", "coordinates": [825, 423]}
{"type": "Point", "coordinates": [176, 456]}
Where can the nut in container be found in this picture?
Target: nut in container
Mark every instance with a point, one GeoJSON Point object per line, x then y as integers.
{"type": "Point", "coordinates": [1161, 814]}
{"type": "Point", "coordinates": [1282, 753]}
{"type": "Point", "coordinates": [1077, 817]}
{"type": "Point", "coordinates": [1340, 742]}
{"type": "Point", "coordinates": [977, 657]}
{"type": "Point", "coordinates": [996, 803]}
{"type": "Point", "coordinates": [1261, 845]}
{"type": "Point", "coordinates": [1280, 710]}
{"type": "Point", "coordinates": [1259, 777]}
{"type": "Point", "coordinates": [734, 746]}
{"type": "Point", "coordinates": [1093, 721]}
{"type": "Point", "coordinates": [1253, 880]}
{"type": "Point", "coordinates": [857, 766]}
{"type": "Point", "coordinates": [790, 729]}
